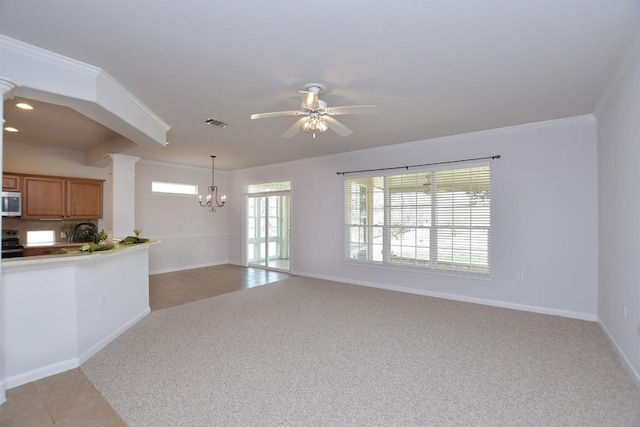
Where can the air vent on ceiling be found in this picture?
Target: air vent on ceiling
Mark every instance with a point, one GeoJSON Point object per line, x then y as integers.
{"type": "Point", "coordinates": [216, 122]}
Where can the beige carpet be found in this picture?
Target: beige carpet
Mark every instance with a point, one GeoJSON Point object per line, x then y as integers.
{"type": "Point", "coordinates": [307, 352]}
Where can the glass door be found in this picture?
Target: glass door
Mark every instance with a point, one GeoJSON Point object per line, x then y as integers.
{"type": "Point", "coordinates": [268, 231]}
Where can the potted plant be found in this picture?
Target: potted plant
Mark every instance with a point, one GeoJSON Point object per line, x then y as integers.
{"type": "Point", "coordinates": [68, 228]}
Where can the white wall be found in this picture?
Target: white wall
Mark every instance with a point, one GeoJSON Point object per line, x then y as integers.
{"type": "Point", "coordinates": [39, 323]}
{"type": "Point", "coordinates": [191, 235]}
{"type": "Point", "coordinates": [619, 206]}
{"type": "Point", "coordinates": [544, 216]}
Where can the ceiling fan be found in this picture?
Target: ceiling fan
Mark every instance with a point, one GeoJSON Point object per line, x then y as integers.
{"type": "Point", "coordinates": [317, 116]}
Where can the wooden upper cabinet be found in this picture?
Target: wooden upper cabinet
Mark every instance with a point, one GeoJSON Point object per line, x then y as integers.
{"type": "Point", "coordinates": [84, 198]}
{"type": "Point", "coordinates": [43, 197]}
{"type": "Point", "coordinates": [10, 182]}
{"type": "Point", "coordinates": [60, 197]}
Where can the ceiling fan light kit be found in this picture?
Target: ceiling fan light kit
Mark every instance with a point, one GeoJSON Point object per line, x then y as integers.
{"type": "Point", "coordinates": [314, 124]}
{"type": "Point", "coordinates": [317, 116]}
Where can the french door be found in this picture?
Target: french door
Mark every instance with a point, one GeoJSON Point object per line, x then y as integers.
{"type": "Point", "coordinates": [268, 230]}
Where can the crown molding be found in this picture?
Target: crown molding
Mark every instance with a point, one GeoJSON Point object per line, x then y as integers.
{"type": "Point", "coordinates": [100, 88]}
{"type": "Point", "coordinates": [587, 118]}
{"type": "Point", "coordinates": [112, 83]}
{"type": "Point", "coordinates": [79, 67]}
{"type": "Point", "coordinates": [40, 54]}
{"type": "Point", "coordinates": [565, 121]}
{"type": "Point", "coordinates": [181, 166]}
{"type": "Point", "coordinates": [624, 68]}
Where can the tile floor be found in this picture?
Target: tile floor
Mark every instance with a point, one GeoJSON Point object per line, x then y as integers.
{"type": "Point", "coordinates": [69, 399]}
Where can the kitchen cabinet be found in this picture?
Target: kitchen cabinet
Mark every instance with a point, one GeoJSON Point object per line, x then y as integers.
{"type": "Point", "coordinates": [43, 197]}
{"type": "Point", "coordinates": [61, 197]}
{"type": "Point", "coordinates": [84, 198]}
{"type": "Point", "coordinates": [50, 250]}
{"type": "Point", "coordinates": [10, 182]}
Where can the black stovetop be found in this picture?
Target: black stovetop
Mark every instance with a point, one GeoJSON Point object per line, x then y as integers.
{"type": "Point", "coordinates": [11, 239]}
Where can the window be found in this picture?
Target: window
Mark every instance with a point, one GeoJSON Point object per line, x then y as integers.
{"type": "Point", "coordinates": [173, 188]}
{"type": "Point", "coordinates": [269, 187]}
{"type": "Point", "coordinates": [41, 237]}
{"type": "Point", "coordinates": [438, 220]}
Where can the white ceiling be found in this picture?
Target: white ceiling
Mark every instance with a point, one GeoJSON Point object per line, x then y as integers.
{"type": "Point", "coordinates": [432, 67]}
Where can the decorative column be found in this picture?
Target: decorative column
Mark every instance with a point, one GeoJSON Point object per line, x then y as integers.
{"type": "Point", "coordinates": [7, 88]}
{"type": "Point", "coordinates": [123, 203]}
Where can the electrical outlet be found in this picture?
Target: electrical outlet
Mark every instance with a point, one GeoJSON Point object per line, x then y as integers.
{"type": "Point", "coordinates": [520, 277]}
{"type": "Point", "coordinates": [101, 301]}
{"type": "Point", "coordinates": [624, 312]}
{"type": "Point", "coordinates": [63, 235]}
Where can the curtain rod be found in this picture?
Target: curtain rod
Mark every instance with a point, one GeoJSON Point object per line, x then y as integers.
{"type": "Point", "coordinates": [417, 166]}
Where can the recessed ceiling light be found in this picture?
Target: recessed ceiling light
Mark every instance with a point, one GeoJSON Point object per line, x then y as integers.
{"type": "Point", "coordinates": [10, 129]}
{"type": "Point", "coordinates": [24, 106]}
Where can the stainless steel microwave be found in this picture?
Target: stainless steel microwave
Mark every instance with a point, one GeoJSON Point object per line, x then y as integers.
{"type": "Point", "coordinates": [11, 203]}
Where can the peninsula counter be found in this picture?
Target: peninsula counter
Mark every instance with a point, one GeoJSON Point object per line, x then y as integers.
{"type": "Point", "coordinates": [59, 310]}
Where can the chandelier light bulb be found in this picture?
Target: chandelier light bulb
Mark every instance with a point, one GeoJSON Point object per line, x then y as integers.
{"type": "Point", "coordinates": [212, 193]}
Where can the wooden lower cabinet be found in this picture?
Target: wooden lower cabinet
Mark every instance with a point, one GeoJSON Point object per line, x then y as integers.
{"type": "Point", "coordinates": [59, 197]}
{"type": "Point", "coordinates": [50, 250]}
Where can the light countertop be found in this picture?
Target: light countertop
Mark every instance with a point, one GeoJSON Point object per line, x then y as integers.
{"type": "Point", "coordinates": [72, 256]}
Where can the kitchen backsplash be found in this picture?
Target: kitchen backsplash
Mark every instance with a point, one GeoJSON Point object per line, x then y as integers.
{"type": "Point", "coordinates": [36, 225]}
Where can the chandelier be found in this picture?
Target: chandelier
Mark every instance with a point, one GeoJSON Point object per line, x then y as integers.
{"type": "Point", "coordinates": [212, 193]}
{"type": "Point", "coordinates": [314, 123]}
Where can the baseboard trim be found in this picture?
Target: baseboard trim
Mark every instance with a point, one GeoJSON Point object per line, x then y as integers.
{"type": "Point", "coordinates": [91, 351]}
{"type": "Point", "coordinates": [43, 372]}
{"type": "Point", "coordinates": [482, 301]}
{"type": "Point", "coordinates": [625, 361]}
{"type": "Point", "coordinates": [65, 365]}
{"type": "Point", "coordinates": [186, 267]}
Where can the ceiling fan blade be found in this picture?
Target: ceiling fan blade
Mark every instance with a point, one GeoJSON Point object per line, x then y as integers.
{"type": "Point", "coordinates": [310, 99]}
{"type": "Point", "coordinates": [353, 109]}
{"type": "Point", "coordinates": [275, 114]}
{"type": "Point", "coordinates": [336, 126]}
{"type": "Point", "coordinates": [295, 128]}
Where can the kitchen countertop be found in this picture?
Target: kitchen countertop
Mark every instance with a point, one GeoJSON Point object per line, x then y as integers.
{"type": "Point", "coordinates": [71, 256]}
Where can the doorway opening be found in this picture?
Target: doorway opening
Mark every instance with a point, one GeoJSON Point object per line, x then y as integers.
{"type": "Point", "coordinates": [268, 230]}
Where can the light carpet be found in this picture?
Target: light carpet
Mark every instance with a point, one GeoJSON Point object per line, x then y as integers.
{"type": "Point", "coordinates": [308, 352]}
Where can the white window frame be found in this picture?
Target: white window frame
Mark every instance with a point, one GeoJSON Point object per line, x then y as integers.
{"type": "Point", "coordinates": [41, 237]}
{"type": "Point", "coordinates": [160, 187]}
{"type": "Point", "coordinates": [390, 221]}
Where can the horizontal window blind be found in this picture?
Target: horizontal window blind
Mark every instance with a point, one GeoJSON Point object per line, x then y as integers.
{"type": "Point", "coordinates": [432, 220]}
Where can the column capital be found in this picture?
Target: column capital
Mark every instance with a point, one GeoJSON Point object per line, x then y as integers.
{"type": "Point", "coordinates": [122, 162]}
{"type": "Point", "coordinates": [7, 88]}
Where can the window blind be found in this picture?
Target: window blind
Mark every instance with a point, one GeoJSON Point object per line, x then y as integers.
{"type": "Point", "coordinates": [436, 220]}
